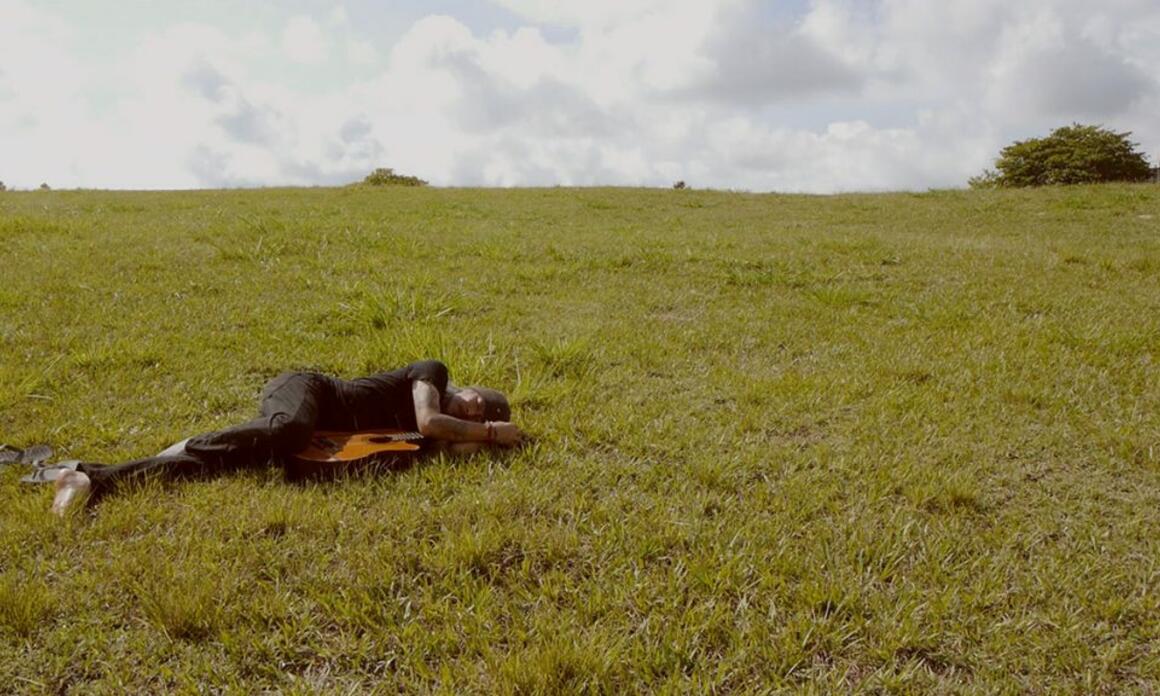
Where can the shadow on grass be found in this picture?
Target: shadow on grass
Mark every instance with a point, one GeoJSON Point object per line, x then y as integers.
{"type": "Point", "coordinates": [300, 473]}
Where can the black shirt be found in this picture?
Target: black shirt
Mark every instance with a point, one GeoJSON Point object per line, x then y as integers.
{"type": "Point", "coordinates": [383, 400]}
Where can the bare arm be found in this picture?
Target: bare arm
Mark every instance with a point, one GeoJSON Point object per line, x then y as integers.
{"type": "Point", "coordinates": [435, 424]}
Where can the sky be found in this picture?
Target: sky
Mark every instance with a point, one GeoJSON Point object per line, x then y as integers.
{"type": "Point", "coordinates": [817, 96]}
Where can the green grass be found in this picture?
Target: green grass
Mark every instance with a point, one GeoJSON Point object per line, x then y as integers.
{"type": "Point", "coordinates": [868, 442]}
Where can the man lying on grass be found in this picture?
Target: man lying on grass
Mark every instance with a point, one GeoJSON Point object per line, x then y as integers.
{"type": "Point", "coordinates": [294, 405]}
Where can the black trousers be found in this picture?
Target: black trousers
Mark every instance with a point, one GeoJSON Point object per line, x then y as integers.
{"type": "Point", "coordinates": [291, 407]}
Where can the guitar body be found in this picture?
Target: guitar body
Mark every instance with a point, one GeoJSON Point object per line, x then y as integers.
{"type": "Point", "coordinates": [342, 447]}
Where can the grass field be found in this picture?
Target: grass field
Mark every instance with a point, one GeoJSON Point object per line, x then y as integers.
{"type": "Point", "coordinates": [887, 443]}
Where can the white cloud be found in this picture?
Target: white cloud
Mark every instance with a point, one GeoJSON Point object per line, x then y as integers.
{"type": "Point", "coordinates": [595, 14]}
{"type": "Point", "coordinates": [842, 95]}
{"type": "Point", "coordinates": [360, 53]}
{"type": "Point", "coordinates": [752, 63]}
{"type": "Point", "coordinates": [303, 41]}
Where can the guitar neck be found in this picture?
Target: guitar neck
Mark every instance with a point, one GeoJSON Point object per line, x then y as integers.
{"type": "Point", "coordinates": [398, 437]}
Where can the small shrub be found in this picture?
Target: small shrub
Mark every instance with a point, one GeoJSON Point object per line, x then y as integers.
{"type": "Point", "coordinates": [385, 176]}
{"type": "Point", "coordinates": [45, 187]}
{"type": "Point", "coordinates": [1070, 155]}
{"type": "Point", "coordinates": [3, 187]}
{"type": "Point", "coordinates": [989, 179]}
{"type": "Point", "coordinates": [679, 185]}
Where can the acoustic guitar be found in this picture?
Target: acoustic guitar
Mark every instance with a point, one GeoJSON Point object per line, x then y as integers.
{"type": "Point", "coordinates": [368, 445]}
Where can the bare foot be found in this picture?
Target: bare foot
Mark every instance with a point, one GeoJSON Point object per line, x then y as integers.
{"type": "Point", "coordinates": [72, 487]}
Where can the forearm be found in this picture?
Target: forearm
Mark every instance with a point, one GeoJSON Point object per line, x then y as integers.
{"type": "Point", "coordinates": [450, 429]}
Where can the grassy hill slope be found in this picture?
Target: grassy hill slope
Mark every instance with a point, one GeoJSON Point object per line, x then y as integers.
{"type": "Point", "coordinates": [883, 442]}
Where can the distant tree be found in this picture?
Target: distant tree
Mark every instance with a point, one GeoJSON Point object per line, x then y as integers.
{"type": "Point", "coordinates": [385, 176]}
{"type": "Point", "coordinates": [3, 187]}
{"type": "Point", "coordinates": [45, 187]}
{"type": "Point", "coordinates": [679, 185]}
{"type": "Point", "coordinates": [1072, 154]}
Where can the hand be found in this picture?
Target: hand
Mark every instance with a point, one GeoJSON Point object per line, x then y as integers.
{"type": "Point", "coordinates": [506, 434]}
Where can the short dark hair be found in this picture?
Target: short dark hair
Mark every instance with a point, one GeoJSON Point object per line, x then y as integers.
{"type": "Point", "coordinates": [495, 404]}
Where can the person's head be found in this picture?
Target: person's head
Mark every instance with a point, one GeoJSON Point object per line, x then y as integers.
{"type": "Point", "coordinates": [477, 404]}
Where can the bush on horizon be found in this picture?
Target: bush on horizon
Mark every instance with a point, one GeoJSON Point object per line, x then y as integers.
{"type": "Point", "coordinates": [1072, 154]}
{"type": "Point", "coordinates": [385, 176]}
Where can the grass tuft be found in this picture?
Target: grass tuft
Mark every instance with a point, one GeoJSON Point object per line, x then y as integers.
{"type": "Point", "coordinates": [25, 604]}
